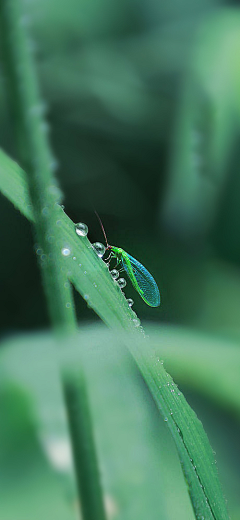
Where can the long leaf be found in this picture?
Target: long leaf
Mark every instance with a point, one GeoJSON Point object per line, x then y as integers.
{"type": "Point", "coordinates": [90, 276]}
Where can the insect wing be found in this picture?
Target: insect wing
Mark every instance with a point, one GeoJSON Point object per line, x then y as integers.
{"type": "Point", "coordinates": [145, 281]}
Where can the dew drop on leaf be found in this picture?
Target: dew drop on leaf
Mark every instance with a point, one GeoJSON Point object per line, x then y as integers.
{"type": "Point", "coordinates": [122, 283]}
{"type": "Point", "coordinates": [81, 229]}
{"type": "Point", "coordinates": [114, 274]}
{"type": "Point", "coordinates": [99, 249]}
{"type": "Point", "coordinates": [65, 251]}
{"type": "Point", "coordinates": [136, 322]}
{"type": "Point", "coordinates": [45, 211]}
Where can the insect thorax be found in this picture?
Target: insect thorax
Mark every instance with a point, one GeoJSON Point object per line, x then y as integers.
{"type": "Point", "coordinates": [117, 252]}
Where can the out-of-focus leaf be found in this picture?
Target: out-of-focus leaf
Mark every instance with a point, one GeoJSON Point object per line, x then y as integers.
{"type": "Point", "coordinates": [202, 362]}
{"type": "Point", "coordinates": [28, 486]}
{"type": "Point", "coordinates": [137, 455]}
{"type": "Point", "coordinates": [205, 129]}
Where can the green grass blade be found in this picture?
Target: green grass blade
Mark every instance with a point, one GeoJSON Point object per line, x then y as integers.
{"type": "Point", "coordinates": [91, 278]}
{"type": "Point", "coordinates": [34, 154]}
{"type": "Point", "coordinates": [202, 362]}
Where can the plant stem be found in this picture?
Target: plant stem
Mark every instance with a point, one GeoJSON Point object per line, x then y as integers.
{"type": "Point", "coordinates": [35, 157]}
{"type": "Point", "coordinates": [85, 461]}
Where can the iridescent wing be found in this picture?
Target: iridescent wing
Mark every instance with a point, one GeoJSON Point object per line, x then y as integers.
{"type": "Point", "coordinates": [145, 282]}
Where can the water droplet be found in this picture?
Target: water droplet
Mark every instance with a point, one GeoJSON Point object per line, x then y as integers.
{"type": "Point", "coordinates": [65, 251]}
{"type": "Point", "coordinates": [94, 284]}
{"type": "Point", "coordinates": [86, 297]}
{"type": "Point", "coordinates": [59, 222]}
{"type": "Point", "coordinates": [67, 285]}
{"type": "Point", "coordinates": [114, 274]}
{"type": "Point", "coordinates": [45, 211]}
{"type": "Point", "coordinates": [80, 265]}
{"type": "Point", "coordinates": [81, 229]}
{"type": "Point", "coordinates": [130, 302]}
{"type": "Point", "coordinates": [74, 258]}
{"type": "Point", "coordinates": [50, 239]}
{"type": "Point", "coordinates": [68, 305]}
{"type": "Point", "coordinates": [165, 419]}
{"type": "Point", "coordinates": [38, 251]}
{"type": "Point", "coordinates": [85, 272]}
{"type": "Point", "coordinates": [43, 257]}
{"type": "Point", "coordinates": [136, 322]}
{"type": "Point", "coordinates": [99, 249]}
{"type": "Point", "coordinates": [122, 283]}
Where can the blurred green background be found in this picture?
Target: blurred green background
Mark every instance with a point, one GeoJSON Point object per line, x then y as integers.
{"type": "Point", "coordinates": [142, 98]}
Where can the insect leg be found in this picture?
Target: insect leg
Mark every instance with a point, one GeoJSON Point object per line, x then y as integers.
{"type": "Point", "coordinates": [118, 262]}
{"type": "Point", "coordinates": [109, 257]}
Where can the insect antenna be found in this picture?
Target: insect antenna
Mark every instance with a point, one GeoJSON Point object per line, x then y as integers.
{"type": "Point", "coordinates": [103, 230]}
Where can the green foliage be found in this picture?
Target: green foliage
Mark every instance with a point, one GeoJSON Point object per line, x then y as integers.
{"type": "Point", "coordinates": [120, 82]}
{"type": "Point", "coordinates": [107, 300]}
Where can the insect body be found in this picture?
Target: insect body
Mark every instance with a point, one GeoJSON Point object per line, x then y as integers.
{"type": "Point", "coordinates": [141, 279]}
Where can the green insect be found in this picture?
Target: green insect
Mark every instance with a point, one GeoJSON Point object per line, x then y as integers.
{"type": "Point", "coordinates": [141, 279]}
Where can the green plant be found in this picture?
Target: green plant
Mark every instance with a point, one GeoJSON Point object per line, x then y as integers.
{"type": "Point", "coordinates": [65, 259]}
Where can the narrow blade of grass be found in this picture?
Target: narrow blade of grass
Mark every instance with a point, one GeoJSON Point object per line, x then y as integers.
{"type": "Point", "coordinates": [91, 278]}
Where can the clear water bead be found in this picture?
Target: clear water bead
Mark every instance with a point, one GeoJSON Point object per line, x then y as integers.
{"type": "Point", "coordinates": [122, 283]}
{"type": "Point", "coordinates": [65, 251]}
{"type": "Point", "coordinates": [136, 322]}
{"type": "Point", "coordinates": [130, 302]}
{"type": "Point", "coordinates": [114, 274]}
{"type": "Point", "coordinates": [99, 249]}
{"type": "Point", "coordinates": [81, 229]}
